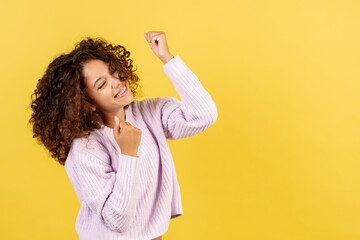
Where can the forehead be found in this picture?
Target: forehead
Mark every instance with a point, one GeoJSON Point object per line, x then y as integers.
{"type": "Point", "coordinates": [94, 69]}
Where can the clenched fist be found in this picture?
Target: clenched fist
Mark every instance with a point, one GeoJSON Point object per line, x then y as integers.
{"type": "Point", "coordinates": [158, 44]}
{"type": "Point", "coordinates": [127, 137]}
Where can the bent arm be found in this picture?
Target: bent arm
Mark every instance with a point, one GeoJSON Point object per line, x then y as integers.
{"type": "Point", "coordinates": [111, 195]}
{"type": "Point", "coordinates": [196, 111]}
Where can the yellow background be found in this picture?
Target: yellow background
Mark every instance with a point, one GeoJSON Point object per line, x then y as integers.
{"type": "Point", "coordinates": [282, 160]}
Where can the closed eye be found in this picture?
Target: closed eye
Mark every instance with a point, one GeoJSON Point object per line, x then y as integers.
{"type": "Point", "coordinates": [102, 85]}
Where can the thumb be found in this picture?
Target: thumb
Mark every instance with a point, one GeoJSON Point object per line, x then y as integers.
{"type": "Point", "coordinates": [116, 127]}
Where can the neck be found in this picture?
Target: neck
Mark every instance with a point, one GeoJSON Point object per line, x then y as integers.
{"type": "Point", "coordinates": [109, 119]}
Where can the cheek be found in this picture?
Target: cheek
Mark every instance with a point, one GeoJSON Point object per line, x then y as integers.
{"type": "Point", "coordinates": [96, 96]}
{"type": "Point", "coordinates": [128, 86]}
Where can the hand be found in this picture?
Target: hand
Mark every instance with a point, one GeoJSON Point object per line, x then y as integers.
{"type": "Point", "coordinates": [127, 137]}
{"type": "Point", "coordinates": [158, 44]}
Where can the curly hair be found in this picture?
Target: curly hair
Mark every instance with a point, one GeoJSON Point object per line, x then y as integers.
{"type": "Point", "coordinates": [61, 108]}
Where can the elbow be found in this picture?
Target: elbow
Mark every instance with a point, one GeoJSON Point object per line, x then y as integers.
{"type": "Point", "coordinates": [212, 114]}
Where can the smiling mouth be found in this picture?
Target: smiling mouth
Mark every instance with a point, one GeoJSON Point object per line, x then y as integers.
{"type": "Point", "coordinates": [121, 92]}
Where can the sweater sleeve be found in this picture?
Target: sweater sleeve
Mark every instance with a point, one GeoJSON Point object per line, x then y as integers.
{"type": "Point", "coordinates": [111, 195]}
{"type": "Point", "coordinates": [196, 111]}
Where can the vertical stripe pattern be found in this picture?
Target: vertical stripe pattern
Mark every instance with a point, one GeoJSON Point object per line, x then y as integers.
{"type": "Point", "coordinates": [125, 197]}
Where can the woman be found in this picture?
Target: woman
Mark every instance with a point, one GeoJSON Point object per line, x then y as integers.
{"type": "Point", "coordinates": [114, 149]}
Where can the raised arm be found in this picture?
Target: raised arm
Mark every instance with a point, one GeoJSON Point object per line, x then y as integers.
{"type": "Point", "coordinates": [196, 111]}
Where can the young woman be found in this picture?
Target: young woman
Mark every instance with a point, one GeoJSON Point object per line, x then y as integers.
{"type": "Point", "coordinates": [114, 149]}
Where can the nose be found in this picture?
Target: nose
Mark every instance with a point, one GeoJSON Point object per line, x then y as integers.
{"type": "Point", "coordinates": [115, 83]}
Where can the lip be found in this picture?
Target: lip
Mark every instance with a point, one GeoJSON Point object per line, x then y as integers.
{"type": "Point", "coordinates": [120, 91]}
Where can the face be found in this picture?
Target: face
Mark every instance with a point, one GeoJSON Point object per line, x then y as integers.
{"type": "Point", "coordinates": [105, 89]}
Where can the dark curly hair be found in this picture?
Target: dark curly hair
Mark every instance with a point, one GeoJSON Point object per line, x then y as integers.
{"type": "Point", "coordinates": [61, 108]}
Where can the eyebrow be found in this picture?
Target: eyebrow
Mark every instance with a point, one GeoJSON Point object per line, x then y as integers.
{"type": "Point", "coordinates": [97, 80]}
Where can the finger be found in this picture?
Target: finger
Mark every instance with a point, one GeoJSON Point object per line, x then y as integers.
{"type": "Point", "coordinates": [161, 41]}
{"type": "Point", "coordinates": [146, 36]}
{"type": "Point", "coordinates": [116, 127]}
{"type": "Point", "coordinates": [124, 124]}
{"type": "Point", "coordinates": [151, 36]}
{"type": "Point", "coordinates": [155, 39]}
{"type": "Point", "coordinates": [152, 33]}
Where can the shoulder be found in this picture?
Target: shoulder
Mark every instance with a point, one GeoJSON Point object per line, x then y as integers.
{"type": "Point", "coordinates": [90, 145]}
{"type": "Point", "coordinates": [154, 105]}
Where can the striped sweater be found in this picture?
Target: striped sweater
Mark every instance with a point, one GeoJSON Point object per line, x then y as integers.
{"type": "Point", "coordinates": [127, 197]}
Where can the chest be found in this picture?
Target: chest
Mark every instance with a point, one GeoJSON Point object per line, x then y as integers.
{"type": "Point", "coordinates": [148, 152]}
